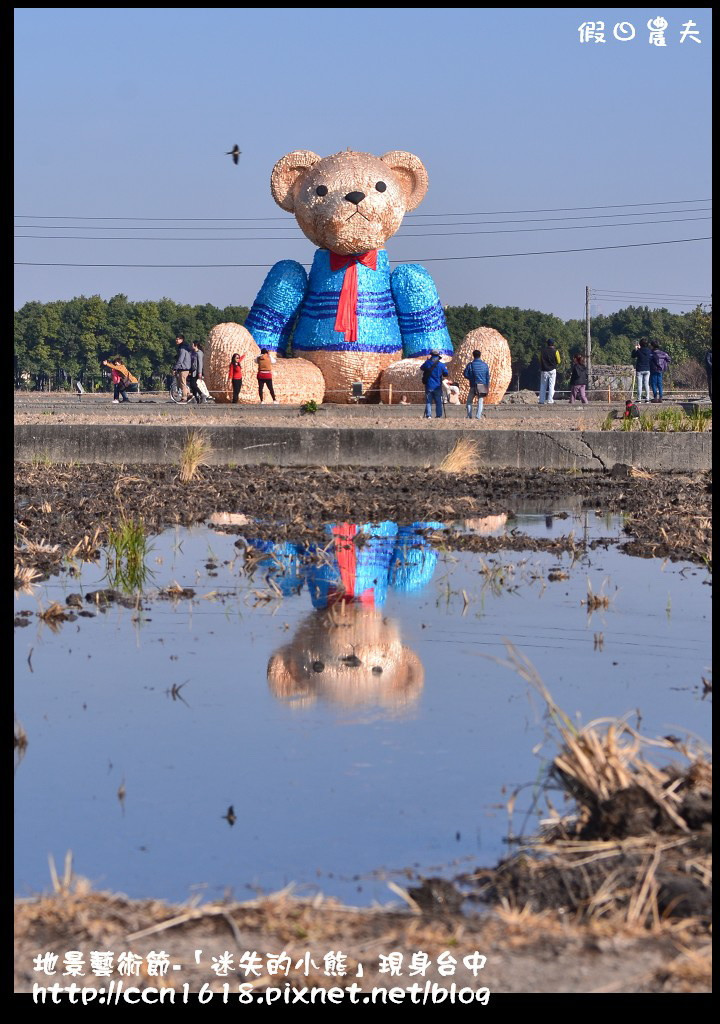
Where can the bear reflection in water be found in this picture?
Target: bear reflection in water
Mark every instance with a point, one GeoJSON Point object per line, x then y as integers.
{"type": "Point", "coordinates": [348, 651]}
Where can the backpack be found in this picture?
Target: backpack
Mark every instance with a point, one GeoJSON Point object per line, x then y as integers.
{"type": "Point", "coordinates": [428, 370]}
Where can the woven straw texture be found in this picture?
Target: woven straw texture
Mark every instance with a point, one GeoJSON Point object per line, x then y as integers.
{"type": "Point", "coordinates": [342, 369]}
{"type": "Point", "coordinates": [324, 218]}
{"type": "Point", "coordinates": [495, 351]}
{"type": "Point", "coordinates": [325, 639]}
{"type": "Point", "coordinates": [295, 380]}
{"type": "Point", "coordinates": [406, 379]}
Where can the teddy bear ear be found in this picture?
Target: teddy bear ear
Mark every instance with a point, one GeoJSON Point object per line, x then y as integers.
{"type": "Point", "coordinates": [285, 175]}
{"type": "Point", "coordinates": [410, 173]}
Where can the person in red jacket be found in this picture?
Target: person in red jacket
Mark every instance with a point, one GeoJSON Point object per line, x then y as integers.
{"type": "Point", "coordinates": [235, 375]}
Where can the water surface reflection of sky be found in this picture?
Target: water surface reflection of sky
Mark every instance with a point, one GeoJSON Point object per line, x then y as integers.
{"type": "Point", "coordinates": [338, 772]}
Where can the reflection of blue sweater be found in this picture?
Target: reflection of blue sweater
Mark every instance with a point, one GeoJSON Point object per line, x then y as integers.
{"type": "Point", "coordinates": [414, 560]}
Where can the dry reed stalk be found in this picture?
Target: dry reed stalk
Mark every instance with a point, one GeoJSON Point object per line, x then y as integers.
{"type": "Point", "coordinates": [25, 577]}
{"type": "Point", "coordinates": [462, 459]}
{"type": "Point", "coordinates": [196, 452]}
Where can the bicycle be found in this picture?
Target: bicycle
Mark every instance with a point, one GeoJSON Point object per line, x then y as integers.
{"type": "Point", "coordinates": [175, 390]}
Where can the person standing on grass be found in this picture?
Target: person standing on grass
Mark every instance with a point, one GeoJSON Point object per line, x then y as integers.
{"type": "Point", "coordinates": [183, 365]}
{"type": "Point", "coordinates": [549, 362]}
{"type": "Point", "coordinates": [235, 375]}
{"type": "Point", "coordinates": [433, 371]}
{"type": "Point", "coordinates": [641, 358]}
{"type": "Point", "coordinates": [478, 373]}
{"type": "Point", "coordinates": [659, 363]}
{"type": "Point", "coordinates": [264, 373]}
{"type": "Point", "coordinates": [578, 381]}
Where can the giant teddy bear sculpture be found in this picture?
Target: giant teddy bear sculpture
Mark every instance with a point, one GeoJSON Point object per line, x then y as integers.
{"type": "Point", "coordinates": [353, 319]}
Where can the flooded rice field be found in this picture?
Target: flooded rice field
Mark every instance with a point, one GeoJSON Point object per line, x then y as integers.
{"type": "Point", "coordinates": [332, 714]}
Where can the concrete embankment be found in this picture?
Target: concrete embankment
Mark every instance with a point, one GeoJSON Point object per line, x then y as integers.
{"type": "Point", "coordinates": [151, 444]}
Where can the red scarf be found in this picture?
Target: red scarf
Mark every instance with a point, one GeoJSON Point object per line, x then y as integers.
{"type": "Point", "coordinates": [346, 319]}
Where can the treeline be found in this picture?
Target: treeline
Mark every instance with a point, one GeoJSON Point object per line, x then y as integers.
{"type": "Point", "coordinates": [59, 342]}
{"type": "Point", "coordinates": [684, 336]}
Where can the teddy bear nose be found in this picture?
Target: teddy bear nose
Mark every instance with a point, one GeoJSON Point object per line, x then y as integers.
{"type": "Point", "coordinates": [355, 197]}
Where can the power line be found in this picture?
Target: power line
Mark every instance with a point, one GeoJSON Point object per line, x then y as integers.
{"type": "Point", "coordinates": [302, 238]}
{"type": "Point", "coordinates": [482, 213]}
{"type": "Point", "coordinates": [456, 224]}
{"type": "Point", "coordinates": [658, 295]}
{"type": "Point", "coordinates": [430, 259]}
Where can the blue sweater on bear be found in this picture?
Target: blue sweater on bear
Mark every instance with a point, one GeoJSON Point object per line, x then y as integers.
{"type": "Point", "coordinates": [395, 311]}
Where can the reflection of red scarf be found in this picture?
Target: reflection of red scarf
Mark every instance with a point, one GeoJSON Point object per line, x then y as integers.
{"type": "Point", "coordinates": [346, 319]}
{"type": "Point", "coordinates": [347, 563]}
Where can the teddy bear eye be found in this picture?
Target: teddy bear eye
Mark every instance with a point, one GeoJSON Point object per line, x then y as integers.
{"type": "Point", "coordinates": [381, 186]}
{"type": "Point", "coordinates": [321, 190]}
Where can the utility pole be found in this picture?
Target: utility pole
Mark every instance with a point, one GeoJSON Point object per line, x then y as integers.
{"type": "Point", "coordinates": [588, 356]}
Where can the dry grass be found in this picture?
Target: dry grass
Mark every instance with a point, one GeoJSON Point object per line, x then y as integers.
{"type": "Point", "coordinates": [197, 451]}
{"type": "Point", "coordinates": [25, 577]}
{"type": "Point", "coordinates": [462, 459]}
{"type": "Point", "coordinates": [599, 765]}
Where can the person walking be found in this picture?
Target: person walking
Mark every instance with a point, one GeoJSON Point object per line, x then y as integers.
{"type": "Point", "coordinates": [549, 362]}
{"type": "Point", "coordinates": [659, 363]}
{"type": "Point", "coordinates": [641, 357]}
{"type": "Point", "coordinates": [478, 373]}
{"type": "Point", "coordinates": [578, 381]}
{"type": "Point", "coordinates": [235, 375]}
{"type": "Point", "coordinates": [433, 371]}
{"type": "Point", "coordinates": [264, 373]}
{"type": "Point", "coordinates": [183, 365]}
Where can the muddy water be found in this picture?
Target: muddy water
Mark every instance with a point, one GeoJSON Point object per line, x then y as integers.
{"type": "Point", "coordinates": [352, 739]}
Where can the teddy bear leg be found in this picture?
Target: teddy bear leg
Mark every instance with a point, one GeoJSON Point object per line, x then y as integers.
{"type": "Point", "coordinates": [420, 313]}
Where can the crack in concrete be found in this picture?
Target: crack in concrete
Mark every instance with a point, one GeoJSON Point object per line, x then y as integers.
{"type": "Point", "coordinates": [575, 454]}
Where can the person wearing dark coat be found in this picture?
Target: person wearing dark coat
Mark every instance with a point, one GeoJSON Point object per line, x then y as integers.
{"type": "Point", "coordinates": [641, 357]}
{"type": "Point", "coordinates": [549, 362]}
{"type": "Point", "coordinates": [708, 371]}
{"type": "Point", "coordinates": [433, 371]}
{"type": "Point", "coordinates": [578, 381]}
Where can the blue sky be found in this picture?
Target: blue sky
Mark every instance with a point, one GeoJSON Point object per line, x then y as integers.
{"type": "Point", "coordinates": [128, 113]}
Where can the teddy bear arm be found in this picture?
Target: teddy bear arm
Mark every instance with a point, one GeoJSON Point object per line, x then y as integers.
{"type": "Point", "coordinates": [419, 310]}
{"type": "Point", "coordinates": [273, 312]}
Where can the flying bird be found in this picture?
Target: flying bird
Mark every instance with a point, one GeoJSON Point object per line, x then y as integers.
{"type": "Point", "coordinates": [234, 153]}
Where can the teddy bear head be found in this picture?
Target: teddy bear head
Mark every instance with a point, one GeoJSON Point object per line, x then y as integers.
{"type": "Point", "coordinates": [349, 202]}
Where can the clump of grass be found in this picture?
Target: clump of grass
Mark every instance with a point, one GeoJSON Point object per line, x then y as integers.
{"type": "Point", "coordinates": [670, 419]}
{"type": "Point", "coordinates": [127, 550]}
{"type": "Point", "coordinates": [699, 419]}
{"type": "Point", "coordinates": [196, 452]}
{"type": "Point", "coordinates": [25, 578]}
{"type": "Point", "coordinates": [88, 549]}
{"type": "Point", "coordinates": [596, 601]}
{"type": "Point", "coordinates": [20, 739]}
{"type": "Point", "coordinates": [608, 422]}
{"type": "Point", "coordinates": [462, 459]}
{"type": "Point", "coordinates": [309, 407]}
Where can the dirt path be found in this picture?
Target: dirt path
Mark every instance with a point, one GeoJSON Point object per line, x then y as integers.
{"type": "Point", "coordinates": [525, 952]}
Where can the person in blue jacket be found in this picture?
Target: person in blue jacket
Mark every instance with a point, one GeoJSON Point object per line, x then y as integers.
{"type": "Point", "coordinates": [478, 373]}
{"type": "Point", "coordinates": [433, 371]}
